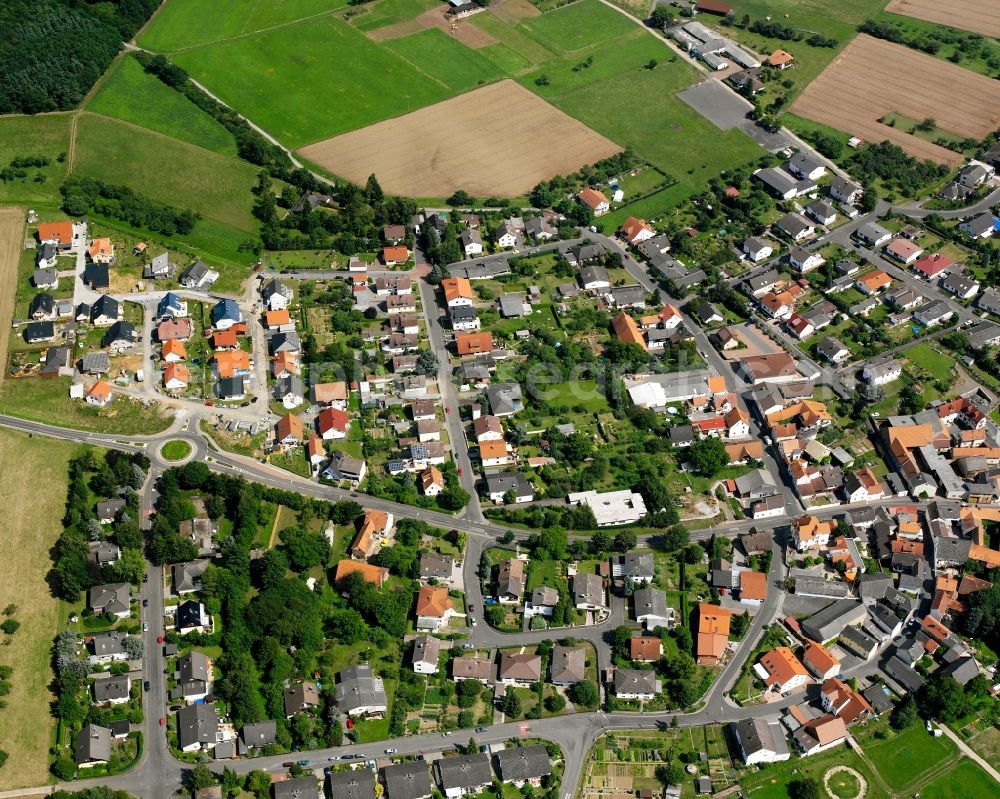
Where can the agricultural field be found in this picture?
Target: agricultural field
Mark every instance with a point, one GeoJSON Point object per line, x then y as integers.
{"type": "Point", "coordinates": [418, 153]}
{"type": "Point", "coordinates": [965, 14]}
{"type": "Point", "coordinates": [903, 758]}
{"type": "Point", "coordinates": [34, 523]}
{"type": "Point", "coordinates": [46, 135]}
{"type": "Point", "coordinates": [11, 249]}
{"type": "Point", "coordinates": [964, 781]}
{"type": "Point", "coordinates": [872, 78]}
{"type": "Point", "coordinates": [129, 93]}
{"type": "Point", "coordinates": [459, 67]}
{"type": "Point", "coordinates": [181, 24]}
{"type": "Point", "coordinates": [186, 176]}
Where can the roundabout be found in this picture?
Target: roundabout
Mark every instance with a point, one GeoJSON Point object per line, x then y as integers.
{"type": "Point", "coordinates": [843, 782]}
{"type": "Point", "coordinates": [176, 451]}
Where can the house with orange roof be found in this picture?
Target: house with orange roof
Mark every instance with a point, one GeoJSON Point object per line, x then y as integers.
{"type": "Point", "coordinates": [843, 701]}
{"type": "Point", "coordinates": [101, 251]}
{"type": "Point", "coordinates": [395, 255]}
{"type": "Point", "coordinates": [873, 282]}
{"type": "Point", "coordinates": [225, 340]}
{"type": "Point", "coordinates": [737, 423]}
{"type": "Point", "coordinates": [285, 364]}
{"type": "Point", "coordinates": [863, 486]}
{"type": "Point", "coordinates": [819, 661]}
{"type": "Point", "coordinates": [315, 451]}
{"type": "Point", "coordinates": [713, 634]}
{"type": "Point", "coordinates": [595, 201]}
{"type": "Point", "coordinates": [781, 671]}
{"type": "Point", "coordinates": [809, 532]}
{"type": "Point", "coordinates": [717, 384]}
{"type": "Point", "coordinates": [434, 608]}
{"type": "Point", "coordinates": [231, 363]}
{"type": "Point", "coordinates": [626, 330]}
{"type": "Point", "coordinates": [781, 59]}
{"type": "Point", "coordinates": [714, 426]}
{"type": "Point", "coordinates": [288, 432]}
{"type": "Point", "coordinates": [375, 526]}
{"type": "Point", "coordinates": [57, 233]}
{"type": "Point", "coordinates": [173, 351]}
{"type": "Point", "coordinates": [473, 343]}
{"type": "Point", "coordinates": [371, 574]}
{"type": "Point", "coordinates": [494, 453]}
{"type": "Point", "coordinates": [279, 320]}
{"type": "Point", "coordinates": [635, 230]}
{"type": "Point", "coordinates": [645, 648]}
{"type": "Point", "coordinates": [753, 588]}
{"type": "Point", "coordinates": [818, 735]}
{"type": "Point", "coordinates": [431, 481]}
{"type": "Point", "coordinates": [99, 394]}
{"type": "Point", "coordinates": [174, 329]}
{"type": "Point", "coordinates": [670, 317]}
{"type": "Point", "coordinates": [176, 377]}
{"type": "Point", "coordinates": [457, 292]}
{"type": "Point", "coordinates": [745, 451]}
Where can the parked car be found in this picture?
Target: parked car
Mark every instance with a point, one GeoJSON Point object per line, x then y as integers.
{"type": "Point", "coordinates": [162, 721]}
{"type": "Point", "coordinates": [145, 685]}
{"type": "Point", "coordinates": [391, 751]}
{"type": "Point", "coordinates": [145, 603]}
{"type": "Point", "coordinates": [482, 729]}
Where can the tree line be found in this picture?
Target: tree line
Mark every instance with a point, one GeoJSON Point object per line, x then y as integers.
{"type": "Point", "coordinates": [55, 50]}
{"type": "Point", "coordinates": [82, 196]}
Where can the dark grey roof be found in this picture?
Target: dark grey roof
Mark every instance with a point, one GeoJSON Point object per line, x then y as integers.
{"type": "Point", "coordinates": [635, 681]}
{"type": "Point", "coordinates": [523, 763]}
{"type": "Point", "coordinates": [108, 644]}
{"type": "Point", "coordinates": [407, 780]}
{"type": "Point", "coordinates": [355, 784]}
{"type": "Point", "coordinates": [963, 670]}
{"type": "Point", "coordinates": [568, 664]}
{"type": "Point", "coordinates": [877, 698]}
{"type": "Point", "coordinates": [92, 744]}
{"type": "Point", "coordinates": [831, 620]}
{"type": "Point", "coordinates": [756, 735]}
{"type": "Point", "coordinates": [260, 733]}
{"type": "Point", "coordinates": [502, 482]}
{"type": "Point", "coordinates": [951, 550]}
{"type": "Point", "coordinates": [650, 601]}
{"type": "Point", "coordinates": [296, 788]}
{"type": "Point", "coordinates": [900, 671]}
{"type": "Point", "coordinates": [197, 724]}
{"type": "Point", "coordinates": [359, 687]}
{"type": "Point", "coordinates": [858, 638]}
{"type": "Point", "coordinates": [108, 688]}
{"type": "Point", "coordinates": [637, 565]}
{"type": "Point", "coordinates": [465, 773]}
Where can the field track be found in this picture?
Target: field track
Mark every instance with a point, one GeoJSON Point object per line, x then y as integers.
{"type": "Point", "coordinates": [500, 140]}
{"type": "Point", "coordinates": [11, 244]}
{"type": "Point", "coordinates": [979, 17]}
{"type": "Point", "coordinates": [872, 78]}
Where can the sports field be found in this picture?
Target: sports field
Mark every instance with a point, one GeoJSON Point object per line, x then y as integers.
{"type": "Point", "coordinates": [981, 17]}
{"type": "Point", "coordinates": [872, 78]}
{"type": "Point", "coordinates": [436, 150]}
{"type": "Point", "coordinates": [129, 93]}
{"type": "Point", "coordinates": [33, 523]}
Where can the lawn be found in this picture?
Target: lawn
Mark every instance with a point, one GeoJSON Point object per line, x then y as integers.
{"type": "Point", "coordinates": [47, 400]}
{"type": "Point", "coordinates": [131, 94]}
{"type": "Point", "coordinates": [166, 170]}
{"type": "Point", "coordinates": [937, 364]}
{"type": "Point", "coordinates": [964, 781]}
{"type": "Point", "coordinates": [189, 23]}
{"type": "Point", "coordinates": [282, 78]}
{"type": "Point", "coordinates": [648, 207]}
{"type": "Point", "coordinates": [903, 757]}
{"type": "Point", "coordinates": [446, 59]}
{"type": "Point", "coordinates": [46, 135]}
{"type": "Point", "coordinates": [33, 524]}
{"type": "Point", "coordinates": [771, 782]}
{"type": "Point", "coordinates": [544, 572]}
{"type": "Point", "coordinates": [176, 450]}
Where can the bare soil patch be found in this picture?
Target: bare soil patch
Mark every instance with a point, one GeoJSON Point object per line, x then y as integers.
{"type": "Point", "coordinates": [500, 140]}
{"type": "Point", "coordinates": [981, 17]}
{"type": "Point", "coordinates": [11, 243]}
{"type": "Point", "coordinates": [461, 29]}
{"type": "Point", "coordinates": [872, 78]}
{"type": "Point", "coordinates": [514, 10]}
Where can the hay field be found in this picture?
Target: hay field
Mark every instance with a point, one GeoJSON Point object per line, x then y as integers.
{"type": "Point", "coordinates": [32, 526]}
{"type": "Point", "coordinates": [499, 140]}
{"type": "Point", "coordinates": [979, 17]}
{"type": "Point", "coordinates": [11, 243]}
{"type": "Point", "coordinates": [872, 78]}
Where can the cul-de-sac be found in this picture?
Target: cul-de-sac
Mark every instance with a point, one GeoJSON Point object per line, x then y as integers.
{"type": "Point", "coordinates": [500, 399]}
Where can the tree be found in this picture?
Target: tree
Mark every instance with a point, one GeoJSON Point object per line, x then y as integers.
{"type": "Point", "coordinates": [427, 362]}
{"type": "Point", "coordinates": [555, 703]}
{"type": "Point", "coordinates": [708, 456]}
{"type": "Point", "coordinates": [660, 18]}
{"type": "Point", "coordinates": [200, 777]}
{"type": "Point", "coordinates": [585, 693]}
{"type": "Point", "coordinates": [651, 65]}
{"type": "Point", "coordinates": [461, 198]}
{"type": "Point", "coordinates": [373, 191]}
{"type": "Point", "coordinates": [804, 788]}
{"type": "Point", "coordinates": [494, 615]}
{"type": "Point", "coordinates": [10, 626]}
{"type": "Point", "coordinates": [904, 714]}
{"type": "Point", "coordinates": [305, 549]}
{"type": "Point", "coordinates": [511, 705]}
{"type": "Point", "coordinates": [625, 540]}
{"type": "Point", "coordinates": [671, 773]}
{"type": "Point", "coordinates": [944, 699]}
{"type": "Point", "coordinates": [337, 733]}
{"type": "Point", "coordinates": [259, 783]}
{"type": "Point", "coordinates": [134, 647]}
{"type": "Point", "coordinates": [130, 567]}
{"type": "Point", "coordinates": [675, 538]}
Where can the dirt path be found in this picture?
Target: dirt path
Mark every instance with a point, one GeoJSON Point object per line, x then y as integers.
{"type": "Point", "coordinates": [461, 29]}
{"type": "Point", "coordinates": [12, 228]}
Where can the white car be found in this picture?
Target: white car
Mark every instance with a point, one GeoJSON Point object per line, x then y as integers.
{"type": "Point", "coordinates": [145, 626]}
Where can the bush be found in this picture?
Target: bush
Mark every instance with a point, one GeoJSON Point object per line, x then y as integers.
{"type": "Point", "coordinates": [10, 626]}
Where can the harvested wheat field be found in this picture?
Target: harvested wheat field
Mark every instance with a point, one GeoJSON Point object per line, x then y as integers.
{"type": "Point", "coordinates": [11, 244]}
{"type": "Point", "coordinates": [500, 140]}
{"type": "Point", "coordinates": [872, 78]}
{"type": "Point", "coordinates": [981, 17]}
{"type": "Point", "coordinates": [461, 29]}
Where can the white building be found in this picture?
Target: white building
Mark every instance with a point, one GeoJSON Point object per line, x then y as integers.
{"type": "Point", "coordinates": [611, 507]}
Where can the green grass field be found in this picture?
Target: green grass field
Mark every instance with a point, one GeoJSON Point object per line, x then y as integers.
{"type": "Point", "coordinates": [310, 81]}
{"type": "Point", "coordinates": [772, 781]}
{"type": "Point", "coordinates": [26, 724]}
{"type": "Point", "coordinates": [648, 207]}
{"type": "Point", "coordinates": [189, 23]}
{"type": "Point", "coordinates": [46, 135]}
{"type": "Point", "coordinates": [938, 365]}
{"type": "Point", "coordinates": [389, 12]}
{"type": "Point", "coordinates": [903, 757]}
{"type": "Point", "coordinates": [130, 94]}
{"type": "Point", "coordinates": [448, 60]}
{"type": "Point", "coordinates": [576, 26]}
{"type": "Point", "coordinates": [176, 450]}
{"type": "Point", "coordinates": [964, 781]}
{"type": "Point", "coordinates": [166, 169]}
{"type": "Point", "coordinates": [977, 61]}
